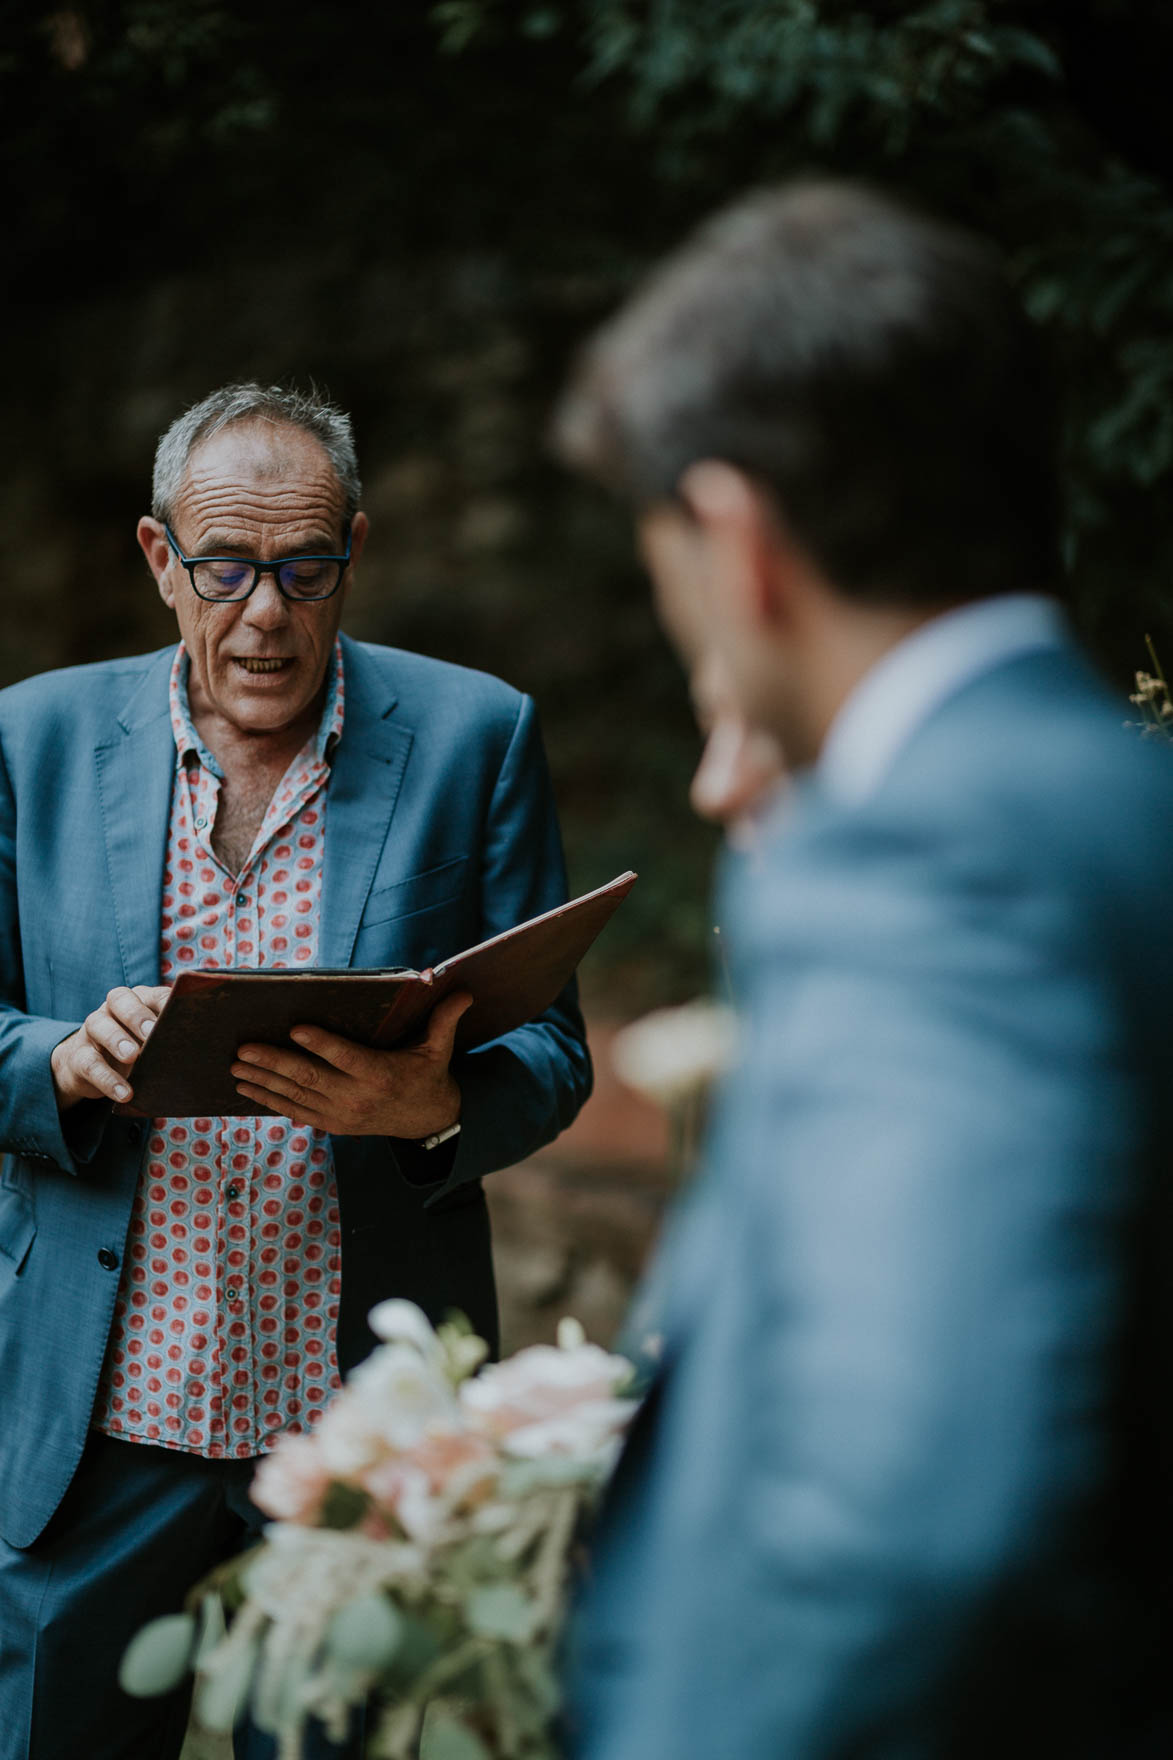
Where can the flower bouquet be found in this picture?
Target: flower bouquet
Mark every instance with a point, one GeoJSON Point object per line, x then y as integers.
{"type": "Point", "coordinates": [419, 1556]}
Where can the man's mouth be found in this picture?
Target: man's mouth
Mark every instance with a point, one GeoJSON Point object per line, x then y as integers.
{"type": "Point", "coordinates": [252, 665]}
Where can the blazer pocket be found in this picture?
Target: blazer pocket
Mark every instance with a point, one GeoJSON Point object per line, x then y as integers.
{"type": "Point", "coordinates": [419, 892]}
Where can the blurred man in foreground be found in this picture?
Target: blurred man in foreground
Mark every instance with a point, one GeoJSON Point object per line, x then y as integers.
{"type": "Point", "coordinates": [902, 1488]}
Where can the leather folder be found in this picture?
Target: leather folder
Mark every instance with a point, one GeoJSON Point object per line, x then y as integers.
{"type": "Point", "coordinates": [184, 1069]}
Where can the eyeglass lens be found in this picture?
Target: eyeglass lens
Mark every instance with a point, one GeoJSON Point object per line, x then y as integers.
{"type": "Point", "coordinates": [305, 577]}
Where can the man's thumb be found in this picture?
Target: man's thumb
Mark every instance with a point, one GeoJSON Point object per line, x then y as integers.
{"type": "Point", "coordinates": [445, 1020]}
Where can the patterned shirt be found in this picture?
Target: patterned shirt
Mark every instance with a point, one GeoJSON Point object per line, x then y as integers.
{"type": "Point", "coordinates": [226, 1314]}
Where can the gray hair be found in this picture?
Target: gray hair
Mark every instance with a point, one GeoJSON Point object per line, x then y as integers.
{"type": "Point", "coordinates": [307, 410]}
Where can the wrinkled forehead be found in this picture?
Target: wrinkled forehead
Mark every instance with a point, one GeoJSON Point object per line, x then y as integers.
{"type": "Point", "coordinates": [261, 472]}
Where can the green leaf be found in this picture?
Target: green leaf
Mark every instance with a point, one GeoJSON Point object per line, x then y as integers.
{"type": "Point", "coordinates": [446, 1738]}
{"type": "Point", "coordinates": [418, 1648]}
{"type": "Point", "coordinates": [212, 1627]}
{"type": "Point", "coordinates": [220, 1697]}
{"type": "Point", "coordinates": [365, 1634]}
{"type": "Point", "coordinates": [501, 1611]}
{"type": "Point", "coordinates": [158, 1657]}
{"type": "Point", "coordinates": [343, 1506]}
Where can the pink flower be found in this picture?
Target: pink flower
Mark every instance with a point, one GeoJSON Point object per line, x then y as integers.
{"type": "Point", "coordinates": [291, 1482]}
{"type": "Point", "coordinates": [455, 1461]}
{"type": "Point", "coordinates": [420, 1487]}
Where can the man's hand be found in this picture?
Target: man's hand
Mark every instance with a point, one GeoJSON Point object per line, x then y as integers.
{"type": "Point", "coordinates": [94, 1062]}
{"type": "Point", "coordinates": [335, 1085]}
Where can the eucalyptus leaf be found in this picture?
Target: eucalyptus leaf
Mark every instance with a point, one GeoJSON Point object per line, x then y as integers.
{"type": "Point", "coordinates": [158, 1657]}
{"type": "Point", "coordinates": [535, 1668]}
{"type": "Point", "coordinates": [365, 1634]}
{"type": "Point", "coordinates": [500, 1610]}
{"type": "Point", "coordinates": [221, 1697]}
{"type": "Point", "coordinates": [418, 1648]}
{"type": "Point", "coordinates": [521, 1477]}
{"type": "Point", "coordinates": [446, 1738]}
{"type": "Point", "coordinates": [212, 1627]}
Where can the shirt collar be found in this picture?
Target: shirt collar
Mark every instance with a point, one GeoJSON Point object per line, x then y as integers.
{"type": "Point", "coordinates": [187, 740]}
{"type": "Point", "coordinates": [914, 678]}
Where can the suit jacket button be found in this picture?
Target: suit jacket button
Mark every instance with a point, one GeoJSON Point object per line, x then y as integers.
{"type": "Point", "coordinates": [107, 1259]}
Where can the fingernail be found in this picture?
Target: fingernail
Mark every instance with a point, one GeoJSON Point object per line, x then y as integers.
{"type": "Point", "coordinates": [298, 1035]}
{"type": "Point", "coordinates": [125, 1048]}
{"type": "Point", "coordinates": [121, 1091]}
{"type": "Point", "coordinates": [146, 1027]}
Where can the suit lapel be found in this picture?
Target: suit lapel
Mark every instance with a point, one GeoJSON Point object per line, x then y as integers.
{"type": "Point", "coordinates": [365, 780]}
{"type": "Point", "coordinates": [135, 773]}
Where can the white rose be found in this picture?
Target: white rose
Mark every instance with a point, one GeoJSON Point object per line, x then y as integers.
{"type": "Point", "coordinates": [590, 1432]}
{"type": "Point", "coordinates": [402, 1395]}
{"type": "Point", "coordinates": [348, 1437]}
{"type": "Point", "coordinates": [400, 1322]}
{"type": "Point", "coordinates": [551, 1401]}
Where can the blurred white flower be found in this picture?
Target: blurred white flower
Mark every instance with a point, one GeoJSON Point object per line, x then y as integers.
{"type": "Point", "coordinates": [401, 1322]}
{"type": "Point", "coordinates": [547, 1400]}
{"type": "Point", "coordinates": [590, 1432]}
{"type": "Point", "coordinates": [348, 1437]}
{"type": "Point", "coordinates": [402, 1394]}
{"type": "Point", "coordinates": [673, 1054]}
{"type": "Point", "coordinates": [291, 1482]}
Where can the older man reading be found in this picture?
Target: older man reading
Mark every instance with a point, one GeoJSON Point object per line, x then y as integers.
{"type": "Point", "coordinates": [175, 1293]}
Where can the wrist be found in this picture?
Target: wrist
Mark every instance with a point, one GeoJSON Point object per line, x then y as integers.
{"type": "Point", "coordinates": [67, 1092]}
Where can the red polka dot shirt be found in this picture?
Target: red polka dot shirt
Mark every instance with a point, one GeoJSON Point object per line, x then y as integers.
{"type": "Point", "coordinates": [226, 1315]}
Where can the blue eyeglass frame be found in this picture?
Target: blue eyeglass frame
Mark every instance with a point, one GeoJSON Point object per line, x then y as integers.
{"type": "Point", "coordinates": [190, 563]}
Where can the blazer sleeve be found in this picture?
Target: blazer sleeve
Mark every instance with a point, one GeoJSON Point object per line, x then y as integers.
{"type": "Point", "coordinates": [30, 1124]}
{"type": "Point", "coordinates": [518, 1092]}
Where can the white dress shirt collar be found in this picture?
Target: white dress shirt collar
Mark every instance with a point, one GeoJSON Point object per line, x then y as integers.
{"type": "Point", "coordinates": [914, 678]}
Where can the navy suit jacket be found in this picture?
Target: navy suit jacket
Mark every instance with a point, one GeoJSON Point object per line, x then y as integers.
{"type": "Point", "coordinates": [904, 1487]}
{"type": "Point", "coordinates": [440, 831]}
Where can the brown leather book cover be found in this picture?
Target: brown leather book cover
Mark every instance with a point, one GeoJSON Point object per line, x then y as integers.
{"type": "Point", "coordinates": [184, 1070]}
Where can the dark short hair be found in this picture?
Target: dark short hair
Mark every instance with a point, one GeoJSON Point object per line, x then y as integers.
{"type": "Point", "coordinates": [867, 366]}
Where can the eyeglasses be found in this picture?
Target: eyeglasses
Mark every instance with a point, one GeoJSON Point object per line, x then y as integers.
{"type": "Point", "coordinates": [228, 579]}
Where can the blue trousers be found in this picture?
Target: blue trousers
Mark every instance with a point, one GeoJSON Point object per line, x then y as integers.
{"type": "Point", "coordinates": [137, 1528]}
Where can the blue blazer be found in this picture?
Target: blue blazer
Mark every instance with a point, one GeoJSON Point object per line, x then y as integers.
{"type": "Point", "coordinates": [441, 831]}
{"type": "Point", "coordinates": [903, 1489]}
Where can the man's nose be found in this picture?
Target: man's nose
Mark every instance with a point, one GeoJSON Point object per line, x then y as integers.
{"type": "Point", "coordinates": [265, 606]}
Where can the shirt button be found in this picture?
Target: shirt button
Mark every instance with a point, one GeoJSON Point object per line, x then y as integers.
{"type": "Point", "coordinates": [201, 823]}
{"type": "Point", "coordinates": [233, 1191]}
{"type": "Point", "coordinates": [232, 1293]}
{"type": "Point", "coordinates": [107, 1259]}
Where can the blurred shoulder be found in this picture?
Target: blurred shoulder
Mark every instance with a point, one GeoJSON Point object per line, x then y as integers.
{"type": "Point", "coordinates": [1041, 748]}
{"type": "Point", "coordinates": [1022, 807]}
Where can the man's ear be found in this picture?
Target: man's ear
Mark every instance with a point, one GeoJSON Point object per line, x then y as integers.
{"type": "Point", "coordinates": [154, 546]}
{"type": "Point", "coordinates": [746, 540]}
{"type": "Point", "coordinates": [360, 525]}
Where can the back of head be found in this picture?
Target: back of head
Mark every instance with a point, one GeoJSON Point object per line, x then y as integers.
{"type": "Point", "coordinates": [279, 405]}
{"type": "Point", "coordinates": [868, 367]}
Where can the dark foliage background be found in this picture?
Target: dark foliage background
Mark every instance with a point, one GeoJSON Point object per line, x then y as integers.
{"type": "Point", "coordinates": [422, 207]}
